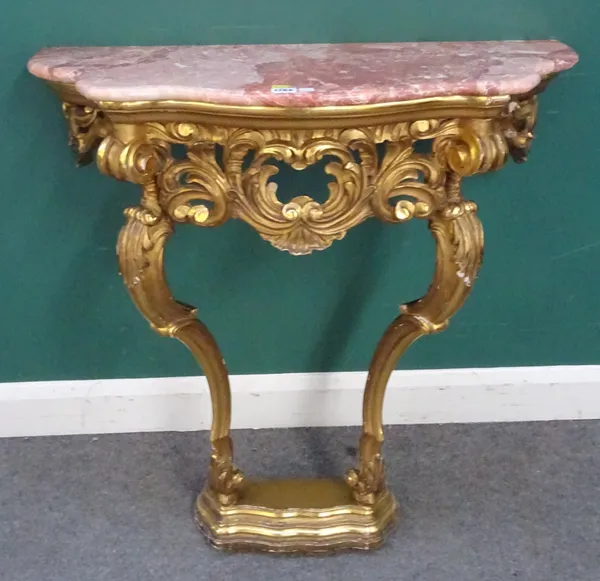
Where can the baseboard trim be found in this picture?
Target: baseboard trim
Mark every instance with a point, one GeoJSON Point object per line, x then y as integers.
{"type": "Point", "coordinates": [505, 394]}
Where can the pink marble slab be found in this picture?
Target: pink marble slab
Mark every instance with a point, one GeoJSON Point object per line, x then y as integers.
{"type": "Point", "coordinates": [304, 75]}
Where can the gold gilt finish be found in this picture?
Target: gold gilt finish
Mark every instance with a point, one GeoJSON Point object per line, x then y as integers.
{"type": "Point", "coordinates": [227, 173]}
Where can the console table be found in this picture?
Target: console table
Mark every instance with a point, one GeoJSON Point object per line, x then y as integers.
{"type": "Point", "coordinates": [361, 106]}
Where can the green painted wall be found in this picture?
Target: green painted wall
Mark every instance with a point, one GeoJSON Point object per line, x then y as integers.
{"type": "Point", "coordinates": [65, 314]}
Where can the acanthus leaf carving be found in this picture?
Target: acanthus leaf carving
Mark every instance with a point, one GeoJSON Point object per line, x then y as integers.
{"type": "Point", "coordinates": [415, 181]}
{"type": "Point", "coordinates": [136, 161]}
{"type": "Point", "coordinates": [301, 225]}
{"type": "Point", "coordinates": [375, 169]}
{"type": "Point", "coordinates": [519, 124]}
{"type": "Point", "coordinates": [87, 127]}
{"type": "Point", "coordinates": [471, 146]}
{"type": "Point", "coordinates": [195, 190]}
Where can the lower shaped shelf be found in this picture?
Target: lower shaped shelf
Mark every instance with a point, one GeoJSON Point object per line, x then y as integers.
{"type": "Point", "coordinates": [295, 516]}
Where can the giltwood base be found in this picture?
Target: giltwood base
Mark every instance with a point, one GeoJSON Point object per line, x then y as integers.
{"type": "Point", "coordinates": [290, 516]}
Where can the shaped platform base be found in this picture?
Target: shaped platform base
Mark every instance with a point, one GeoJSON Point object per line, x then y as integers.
{"type": "Point", "coordinates": [289, 516]}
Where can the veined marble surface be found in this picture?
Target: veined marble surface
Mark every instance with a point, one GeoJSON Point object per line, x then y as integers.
{"type": "Point", "coordinates": [306, 75]}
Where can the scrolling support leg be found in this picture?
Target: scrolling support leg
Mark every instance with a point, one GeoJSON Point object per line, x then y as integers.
{"type": "Point", "coordinates": [141, 253]}
{"type": "Point", "coordinates": [459, 246]}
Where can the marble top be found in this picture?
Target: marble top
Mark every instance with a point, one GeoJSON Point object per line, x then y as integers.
{"type": "Point", "coordinates": [304, 75]}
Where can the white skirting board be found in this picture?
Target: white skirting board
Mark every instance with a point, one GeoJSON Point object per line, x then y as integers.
{"type": "Point", "coordinates": [504, 394]}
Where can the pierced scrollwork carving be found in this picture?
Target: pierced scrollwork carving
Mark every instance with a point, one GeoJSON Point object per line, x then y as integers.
{"type": "Point", "coordinates": [301, 225]}
{"type": "Point", "coordinates": [196, 190]}
{"type": "Point", "coordinates": [415, 181]}
{"type": "Point", "coordinates": [396, 187]}
{"type": "Point", "coordinates": [392, 182]}
{"type": "Point", "coordinates": [207, 188]}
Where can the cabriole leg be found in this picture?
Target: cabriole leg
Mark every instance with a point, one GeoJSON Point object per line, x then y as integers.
{"type": "Point", "coordinates": [459, 247]}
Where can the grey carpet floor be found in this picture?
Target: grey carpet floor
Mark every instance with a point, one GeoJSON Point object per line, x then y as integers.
{"type": "Point", "coordinates": [479, 503]}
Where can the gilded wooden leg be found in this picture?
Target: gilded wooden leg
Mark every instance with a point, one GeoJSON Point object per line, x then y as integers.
{"type": "Point", "coordinates": [459, 242]}
{"type": "Point", "coordinates": [140, 250]}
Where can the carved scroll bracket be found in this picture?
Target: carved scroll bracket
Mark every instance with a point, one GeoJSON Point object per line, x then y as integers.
{"type": "Point", "coordinates": [87, 127]}
{"type": "Point", "coordinates": [519, 123]}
